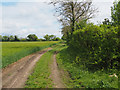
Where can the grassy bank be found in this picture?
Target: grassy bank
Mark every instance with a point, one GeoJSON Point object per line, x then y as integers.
{"type": "Point", "coordinates": [81, 77]}
{"type": "Point", "coordinates": [13, 51]}
{"type": "Point", "coordinates": [74, 76]}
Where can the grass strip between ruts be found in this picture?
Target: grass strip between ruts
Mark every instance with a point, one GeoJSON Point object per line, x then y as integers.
{"type": "Point", "coordinates": [40, 78]}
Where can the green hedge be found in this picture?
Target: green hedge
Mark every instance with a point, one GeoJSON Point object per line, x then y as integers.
{"type": "Point", "coordinates": [96, 46]}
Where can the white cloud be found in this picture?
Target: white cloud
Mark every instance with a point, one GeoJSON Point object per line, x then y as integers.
{"type": "Point", "coordinates": [51, 0]}
{"type": "Point", "coordinates": [28, 17]}
{"type": "Point", "coordinates": [25, 18]}
{"type": "Point", "coordinates": [103, 0]}
{"type": "Point", "coordinates": [104, 11]}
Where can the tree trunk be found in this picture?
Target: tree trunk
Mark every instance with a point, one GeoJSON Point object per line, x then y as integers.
{"type": "Point", "coordinates": [73, 18]}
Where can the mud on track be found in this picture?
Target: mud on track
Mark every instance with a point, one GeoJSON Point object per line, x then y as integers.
{"type": "Point", "coordinates": [15, 75]}
{"type": "Point", "coordinates": [56, 75]}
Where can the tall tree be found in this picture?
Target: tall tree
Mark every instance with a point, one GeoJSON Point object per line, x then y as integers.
{"type": "Point", "coordinates": [71, 11]}
{"type": "Point", "coordinates": [0, 37]}
{"type": "Point", "coordinates": [52, 37]}
{"type": "Point", "coordinates": [32, 37]}
{"type": "Point", "coordinates": [5, 38]}
{"type": "Point", "coordinates": [47, 38]}
{"type": "Point", "coordinates": [115, 13]}
{"type": "Point", "coordinates": [11, 38]}
{"type": "Point", "coordinates": [16, 38]}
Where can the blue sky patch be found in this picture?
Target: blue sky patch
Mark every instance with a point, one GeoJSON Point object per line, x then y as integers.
{"type": "Point", "coordinates": [8, 3]}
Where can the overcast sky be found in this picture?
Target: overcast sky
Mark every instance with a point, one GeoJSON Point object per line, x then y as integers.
{"type": "Point", "coordinates": [23, 17]}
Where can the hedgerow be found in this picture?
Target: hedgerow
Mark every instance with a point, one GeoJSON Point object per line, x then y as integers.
{"type": "Point", "coordinates": [96, 47]}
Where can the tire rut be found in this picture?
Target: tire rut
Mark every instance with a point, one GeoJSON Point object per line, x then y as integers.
{"type": "Point", "coordinates": [16, 74]}
{"type": "Point", "coordinates": [55, 74]}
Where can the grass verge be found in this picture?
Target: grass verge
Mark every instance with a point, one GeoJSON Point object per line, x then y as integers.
{"type": "Point", "coordinates": [80, 77]}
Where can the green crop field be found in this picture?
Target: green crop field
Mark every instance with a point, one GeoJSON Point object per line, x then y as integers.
{"type": "Point", "coordinates": [13, 51]}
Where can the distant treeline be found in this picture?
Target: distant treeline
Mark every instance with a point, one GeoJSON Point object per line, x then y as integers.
{"type": "Point", "coordinates": [30, 37]}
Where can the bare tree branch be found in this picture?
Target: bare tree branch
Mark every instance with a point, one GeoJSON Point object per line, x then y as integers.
{"type": "Point", "coordinates": [72, 11]}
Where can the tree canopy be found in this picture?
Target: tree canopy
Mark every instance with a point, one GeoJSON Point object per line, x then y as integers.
{"type": "Point", "coordinates": [32, 37]}
{"type": "Point", "coordinates": [115, 13]}
{"type": "Point", "coordinates": [71, 11]}
{"type": "Point", "coordinates": [51, 38]}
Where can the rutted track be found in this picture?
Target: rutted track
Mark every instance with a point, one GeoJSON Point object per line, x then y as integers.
{"type": "Point", "coordinates": [56, 75]}
{"type": "Point", "coordinates": [15, 75]}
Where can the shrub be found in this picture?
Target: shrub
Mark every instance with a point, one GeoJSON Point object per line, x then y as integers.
{"type": "Point", "coordinates": [96, 46]}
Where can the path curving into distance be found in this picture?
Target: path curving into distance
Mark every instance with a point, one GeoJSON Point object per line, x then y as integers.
{"type": "Point", "coordinates": [16, 74]}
